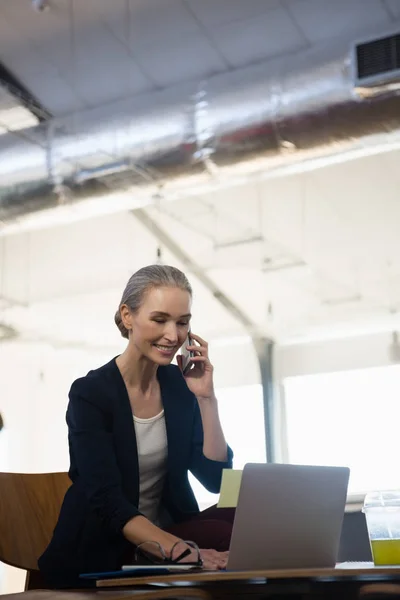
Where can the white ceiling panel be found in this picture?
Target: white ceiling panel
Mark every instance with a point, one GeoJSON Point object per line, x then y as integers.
{"type": "Point", "coordinates": [271, 34]}
{"type": "Point", "coordinates": [173, 64]}
{"type": "Point", "coordinates": [214, 13]}
{"type": "Point", "coordinates": [157, 24]}
{"type": "Point", "coordinates": [16, 49]}
{"type": "Point", "coordinates": [113, 76]}
{"type": "Point", "coordinates": [393, 7]}
{"type": "Point", "coordinates": [103, 50]}
{"type": "Point", "coordinates": [323, 20]}
{"type": "Point", "coordinates": [54, 92]}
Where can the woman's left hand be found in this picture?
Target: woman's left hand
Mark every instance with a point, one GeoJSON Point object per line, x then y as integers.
{"type": "Point", "coordinates": [200, 377]}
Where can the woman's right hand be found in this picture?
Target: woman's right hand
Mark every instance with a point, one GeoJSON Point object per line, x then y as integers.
{"type": "Point", "coordinates": [214, 560]}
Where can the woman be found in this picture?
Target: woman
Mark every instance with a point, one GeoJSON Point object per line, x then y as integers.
{"type": "Point", "coordinates": [136, 427]}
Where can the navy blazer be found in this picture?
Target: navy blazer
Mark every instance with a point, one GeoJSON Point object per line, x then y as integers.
{"type": "Point", "coordinates": [104, 471]}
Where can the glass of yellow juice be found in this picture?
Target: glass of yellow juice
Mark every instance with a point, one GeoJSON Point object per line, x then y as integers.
{"type": "Point", "coordinates": [382, 512]}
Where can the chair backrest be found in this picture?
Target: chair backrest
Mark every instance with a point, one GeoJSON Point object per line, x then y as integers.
{"type": "Point", "coordinates": [29, 509]}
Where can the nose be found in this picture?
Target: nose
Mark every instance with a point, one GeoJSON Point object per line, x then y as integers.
{"type": "Point", "coordinates": [171, 333]}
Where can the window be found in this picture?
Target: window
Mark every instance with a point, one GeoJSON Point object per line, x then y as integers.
{"type": "Point", "coordinates": [242, 416]}
{"type": "Point", "coordinates": [347, 418]}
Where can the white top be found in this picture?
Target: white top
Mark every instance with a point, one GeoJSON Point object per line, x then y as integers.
{"type": "Point", "coordinates": [151, 439]}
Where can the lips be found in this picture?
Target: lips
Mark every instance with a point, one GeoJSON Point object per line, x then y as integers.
{"type": "Point", "coordinates": [165, 350]}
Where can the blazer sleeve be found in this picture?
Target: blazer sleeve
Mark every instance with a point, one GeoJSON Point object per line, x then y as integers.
{"type": "Point", "coordinates": [92, 452]}
{"type": "Point", "coordinates": [208, 472]}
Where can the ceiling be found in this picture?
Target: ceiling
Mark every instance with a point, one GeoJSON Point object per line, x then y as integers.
{"type": "Point", "coordinates": [304, 255]}
{"type": "Point", "coordinates": [83, 53]}
{"type": "Point", "coordinates": [311, 254]}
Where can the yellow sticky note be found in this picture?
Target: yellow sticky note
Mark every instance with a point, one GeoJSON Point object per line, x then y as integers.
{"type": "Point", "coordinates": [230, 486]}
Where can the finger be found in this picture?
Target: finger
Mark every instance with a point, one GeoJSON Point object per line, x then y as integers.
{"type": "Point", "coordinates": [198, 339]}
{"type": "Point", "coordinates": [198, 347]}
{"type": "Point", "coordinates": [215, 556]}
{"type": "Point", "coordinates": [210, 565]}
{"type": "Point", "coordinates": [198, 350]}
{"type": "Point", "coordinates": [202, 362]}
{"type": "Point", "coordinates": [219, 557]}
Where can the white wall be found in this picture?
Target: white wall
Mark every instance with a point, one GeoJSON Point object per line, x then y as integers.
{"type": "Point", "coordinates": [364, 351]}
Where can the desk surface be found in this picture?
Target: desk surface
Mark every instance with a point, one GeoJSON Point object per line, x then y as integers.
{"type": "Point", "coordinates": [342, 571]}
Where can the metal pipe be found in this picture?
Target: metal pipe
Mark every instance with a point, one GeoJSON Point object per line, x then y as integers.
{"type": "Point", "coordinates": [244, 121]}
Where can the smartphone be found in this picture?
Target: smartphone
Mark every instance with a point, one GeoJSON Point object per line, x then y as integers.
{"type": "Point", "coordinates": [187, 355]}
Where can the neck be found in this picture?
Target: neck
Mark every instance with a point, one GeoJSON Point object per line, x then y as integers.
{"type": "Point", "coordinates": [136, 370]}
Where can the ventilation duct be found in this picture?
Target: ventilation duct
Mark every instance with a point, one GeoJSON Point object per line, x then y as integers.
{"type": "Point", "coordinates": [242, 122]}
{"type": "Point", "coordinates": [378, 61]}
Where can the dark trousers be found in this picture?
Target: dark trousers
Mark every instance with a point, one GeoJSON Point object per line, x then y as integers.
{"type": "Point", "coordinates": [211, 528]}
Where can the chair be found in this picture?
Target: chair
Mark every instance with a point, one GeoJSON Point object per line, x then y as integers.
{"type": "Point", "coordinates": [29, 509]}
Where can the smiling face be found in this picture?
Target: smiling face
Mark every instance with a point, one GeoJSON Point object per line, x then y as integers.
{"type": "Point", "coordinates": [160, 326]}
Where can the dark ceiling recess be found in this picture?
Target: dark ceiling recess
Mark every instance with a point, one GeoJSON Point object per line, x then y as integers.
{"type": "Point", "coordinates": [17, 89]}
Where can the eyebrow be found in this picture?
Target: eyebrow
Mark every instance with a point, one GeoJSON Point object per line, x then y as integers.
{"type": "Point", "coordinates": [164, 314]}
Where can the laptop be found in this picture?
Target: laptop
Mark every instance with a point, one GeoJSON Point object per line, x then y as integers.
{"type": "Point", "coordinates": [288, 517]}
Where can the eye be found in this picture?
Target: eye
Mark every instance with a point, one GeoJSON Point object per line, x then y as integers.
{"type": "Point", "coordinates": [159, 320]}
{"type": "Point", "coordinates": [183, 324]}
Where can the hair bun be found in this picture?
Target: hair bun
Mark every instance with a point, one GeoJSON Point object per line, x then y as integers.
{"type": "Point", "coordinates": [120, 325]}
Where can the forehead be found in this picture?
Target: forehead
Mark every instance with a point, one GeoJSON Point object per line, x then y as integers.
{"type": "Point", "coordinates": [169, 300]}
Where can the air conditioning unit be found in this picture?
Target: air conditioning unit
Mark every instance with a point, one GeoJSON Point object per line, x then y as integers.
{"type": "Point", "coordinates": [377, 62]}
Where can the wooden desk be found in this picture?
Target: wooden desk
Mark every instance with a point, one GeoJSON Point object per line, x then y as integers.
{"type": "Point", "coordinates": [367, 571]}
{"type": "Point", "coordinates": [117, 594]}
{"type": "Point", "coordinates": [347, 583]}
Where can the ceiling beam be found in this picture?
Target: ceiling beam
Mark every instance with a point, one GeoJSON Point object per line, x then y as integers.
{"type": "Point", "coordinates": [22, 94]}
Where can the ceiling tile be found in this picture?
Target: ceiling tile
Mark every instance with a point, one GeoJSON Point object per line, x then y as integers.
{"type": "Point", "coordinates": [54, 93]}
{"type": "Point", "coordinates": [115, 15]}
{"type": "Point", "coordinates": [187, 60]}
{"type": "Point", "coordinates": [393, 7]}
{"type": "Point", "coordinates": [214, 13]}
{"type": "Point", "coordinates": [159, 24]}
{"type": "Point", "coordinates": [109, 82]}
{"type": "Point", "coordinates": [17, 50]}
{"type": "Point", "coordinates": [112, 72]}
{"type": "Point", "coordinates": [322, 20]}
{"type": "Point", "coordinates": [272, 34]}
{"type": "Point", "coordinates": [33, 26]}
{"type": "Point", "coordinates": [98, 69]}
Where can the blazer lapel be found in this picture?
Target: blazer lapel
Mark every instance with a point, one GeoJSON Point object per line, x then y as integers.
{"type": "Point", "coordinates": [127, 435]}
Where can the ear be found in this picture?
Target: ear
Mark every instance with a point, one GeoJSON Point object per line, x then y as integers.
{"type": "Point", "coordinates": [126, 316]}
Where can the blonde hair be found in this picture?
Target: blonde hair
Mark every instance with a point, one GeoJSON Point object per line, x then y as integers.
{"type": "Point", "coordinates": [144, 280]}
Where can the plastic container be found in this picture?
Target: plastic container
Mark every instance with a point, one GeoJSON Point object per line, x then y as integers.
{"type": "Point", "coordinates": [382, 512]}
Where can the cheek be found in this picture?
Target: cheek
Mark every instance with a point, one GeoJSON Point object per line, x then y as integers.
{"type": "Point", "coordinates": [182, 335]}
{"type": "Point", "coordinates": [145, 331]}
{"type": "Point", "coordinates": [151, 330]}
